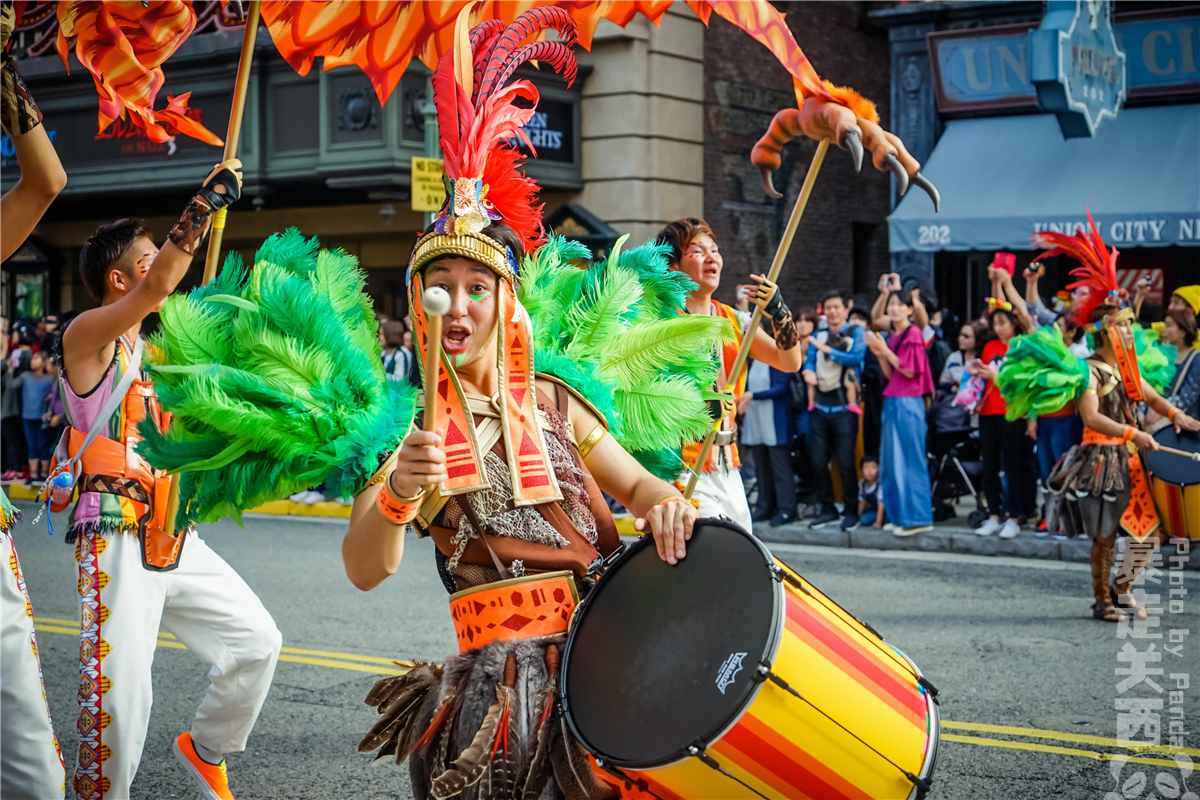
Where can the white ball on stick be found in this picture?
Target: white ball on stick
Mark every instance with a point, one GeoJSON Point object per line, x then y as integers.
{"type": "Point", "coordinates": [436, 301]}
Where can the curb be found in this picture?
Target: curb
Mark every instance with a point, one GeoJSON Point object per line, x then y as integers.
{"type": "Point", "coordinates": [952, 539]}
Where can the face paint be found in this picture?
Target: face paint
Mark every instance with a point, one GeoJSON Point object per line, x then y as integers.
{"type": "Point", "coordinates": [475, 298]}
{"type": "Point", "coordinates": [458, 359]}
{"type": "Point", "coordinates": [143, 263]}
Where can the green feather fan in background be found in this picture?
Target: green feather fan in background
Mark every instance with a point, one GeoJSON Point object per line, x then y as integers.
{"type": "Point", "coordinates": [614, 333]}
{"type": "Point", "coordinates": [1040, 375]}
{"type": "Point", "coordinates": [275, 381]}
{"type": "Point", "coordinates": [1156, 358]}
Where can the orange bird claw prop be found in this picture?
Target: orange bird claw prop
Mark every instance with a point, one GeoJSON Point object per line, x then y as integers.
{"type": "Point", "coordinates": [850, 121]}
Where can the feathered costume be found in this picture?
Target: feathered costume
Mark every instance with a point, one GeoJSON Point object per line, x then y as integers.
{"type": "Point", "coordinates": [1099, 488]}
{"type": "Point", "coordinates": [275, 381]}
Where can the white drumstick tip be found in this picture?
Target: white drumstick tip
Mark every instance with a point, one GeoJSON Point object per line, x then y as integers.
{"type": "Point", "coordinates": [436, 301]}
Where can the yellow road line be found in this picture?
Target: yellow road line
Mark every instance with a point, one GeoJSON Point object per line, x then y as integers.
{"type": "Point", "coordinates": [1050, 748]}
{"type": "Point", "coordinates": [387, 666]}
{"type": "Point", "coordinates": [1040, 733]}
{"type": "Point", "coordinates": [56, 625]}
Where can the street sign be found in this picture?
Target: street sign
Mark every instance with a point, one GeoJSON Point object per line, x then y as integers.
{"type": "Point", "coordinates": [1077, 66]}
{"type": "Point", "coordinates": [428, 191]}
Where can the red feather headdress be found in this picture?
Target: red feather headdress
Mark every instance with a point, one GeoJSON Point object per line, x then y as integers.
{"type": "Point", "coordinates": [1097, 271]}
{"type": "Point", "coordinates": [480, 120]}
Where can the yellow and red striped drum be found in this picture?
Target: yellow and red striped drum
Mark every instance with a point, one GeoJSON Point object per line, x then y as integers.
{"type": "Point", "coordinates": [1175, 483]}
{"type": "Point", "coordinates": [730, 676]}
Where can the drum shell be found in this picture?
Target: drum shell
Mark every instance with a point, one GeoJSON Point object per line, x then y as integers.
{"type": "Point", "coordinates": [1177, 498]}
{"type": "Point", "coordinates": [784, 748]}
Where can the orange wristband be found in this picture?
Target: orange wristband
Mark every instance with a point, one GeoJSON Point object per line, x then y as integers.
{"type": "Point", "coordinates": [1129, 432]}
{"type": "Point", "coordinates": [393, 508]}
{"type": "Point", "coordinates": [1171, 414]}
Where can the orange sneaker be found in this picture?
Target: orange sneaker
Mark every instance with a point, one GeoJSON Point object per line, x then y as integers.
{"type": "Point", "coordinates": [213, 779]}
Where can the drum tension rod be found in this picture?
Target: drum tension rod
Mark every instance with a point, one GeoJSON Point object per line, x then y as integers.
{"type": "Point", "coordinates": [765, 672]}
{"type": "Point", "coordinates": [929, 687]}
{"type": "Point", "coordinates": [697, 752]}
{"type": "Point", "coordinates": [781, 574]}
{"type": "Point", "coordinates": [640, 783]}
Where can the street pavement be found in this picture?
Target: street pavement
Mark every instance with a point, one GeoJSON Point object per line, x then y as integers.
{"type": "Point", "coordinates": [1027, 679]}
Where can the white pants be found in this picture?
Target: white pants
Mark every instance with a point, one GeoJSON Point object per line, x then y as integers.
{"type": "Point", "coordinates": [208, 608]}
{"type": "Point", "coordinates": [722, 493]}
{"type": "Point", "coordinates": [31, 766]}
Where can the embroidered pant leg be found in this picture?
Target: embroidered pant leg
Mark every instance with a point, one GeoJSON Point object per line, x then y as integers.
{"type": "Point", "coordinates": [211, 610]}
{"type": "Point", "coordinates": [31, 765]}
{"type": "Point", "coordinates": [120, 607]}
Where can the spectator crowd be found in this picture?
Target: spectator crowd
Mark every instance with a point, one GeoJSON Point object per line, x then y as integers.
{"type": "Point", "coordinates": [895, 416]}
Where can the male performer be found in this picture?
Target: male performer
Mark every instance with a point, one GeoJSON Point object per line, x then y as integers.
{"type": "Point", "coordinates": [833, 425]}
{"type": "Point", "coordinates": [31, 765]}
{"type": "Point", "coordinates": [1100, 486]}
{"type": "Point", "coordinates": [133, 576]}
{"type": "Point", "coordinates": [694, 252]}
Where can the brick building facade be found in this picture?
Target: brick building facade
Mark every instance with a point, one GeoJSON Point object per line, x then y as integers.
{"type": "Point", "coordinates": [842, 240]}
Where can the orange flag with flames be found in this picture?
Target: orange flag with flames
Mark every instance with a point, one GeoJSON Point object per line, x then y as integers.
{"type": "Point", "coordinates": [123, 45]}
{"type": "Point", "coordinates": [382, 37]}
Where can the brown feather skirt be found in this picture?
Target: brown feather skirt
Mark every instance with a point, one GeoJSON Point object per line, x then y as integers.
{"type": "Point", "coordinates": [1090, 490]}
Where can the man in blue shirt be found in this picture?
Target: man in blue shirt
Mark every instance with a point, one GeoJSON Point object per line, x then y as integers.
{"type": "Point", "coordinates": [833, 427]}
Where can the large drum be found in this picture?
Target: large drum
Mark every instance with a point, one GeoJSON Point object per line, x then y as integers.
{"type": "Point", "coordinates": [1175, 483]}
{"type": "Point", "coordinates": [730, 676]}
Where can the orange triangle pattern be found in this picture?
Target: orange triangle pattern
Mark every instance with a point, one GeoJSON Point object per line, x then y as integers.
{"type": "Point", "coordinates": [533, 479]}
{"type": "Point", "coordinates": [1140, 519]}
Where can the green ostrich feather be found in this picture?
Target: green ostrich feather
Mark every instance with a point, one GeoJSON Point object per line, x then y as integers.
{"type": "Point", "coordinates": [275, 382]}
{"type": "Point", "coordinates": [614, 333]}
{"type": "Point", "coordinates": [1156, 359]}
{"type": "Point", "coordinates": [1040, 375]}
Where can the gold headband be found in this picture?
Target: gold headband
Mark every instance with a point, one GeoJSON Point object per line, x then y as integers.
{"type": "Point", "coordinates": [469, 245]}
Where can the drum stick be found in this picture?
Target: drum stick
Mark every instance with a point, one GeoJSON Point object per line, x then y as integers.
{"type": "Point", "coordinates": [1173, 451]}
{"type": "Point", "coordinates": [436, 304]}
{"type": "Point", "coordinates": [781, 252]}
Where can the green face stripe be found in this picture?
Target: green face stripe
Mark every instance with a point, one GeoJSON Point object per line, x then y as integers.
{"type": "Point", "coordinates": [458, 359]}
{"type": "Point", "coordinates": [475, 298]}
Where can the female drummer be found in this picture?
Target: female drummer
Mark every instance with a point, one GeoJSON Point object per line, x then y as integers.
{"type": "Point", "coordinates": [508, 484]}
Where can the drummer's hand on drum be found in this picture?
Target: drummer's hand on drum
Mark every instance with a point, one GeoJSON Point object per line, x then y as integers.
{"type": "Point", "coordinates": [671, 524]}
{"type": "Point", "coordinates": [419, 462]}
{"type": "Point", "coordinates": [1145, 441]}
{"type": "Point", "coordinates": [1185, 423]}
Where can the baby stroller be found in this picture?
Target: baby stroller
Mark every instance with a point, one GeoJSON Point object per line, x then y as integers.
{"type": "Point", "coordinates": [955, 463]}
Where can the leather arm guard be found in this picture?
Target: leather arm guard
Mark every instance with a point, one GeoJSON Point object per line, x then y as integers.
{"type": "Point", "coordinates": [782, 327]}
{"type": "Point", "coordinates": [189, 231]}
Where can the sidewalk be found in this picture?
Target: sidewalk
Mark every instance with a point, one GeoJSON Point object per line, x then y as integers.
{"type": "Point", "coordinates": [949, 537]}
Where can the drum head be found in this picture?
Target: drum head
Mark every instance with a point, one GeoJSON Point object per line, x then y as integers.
{"type": "Point", "coordinates": [660, 656]}
{"type": "Point", "coordinates": [1169, 467]}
